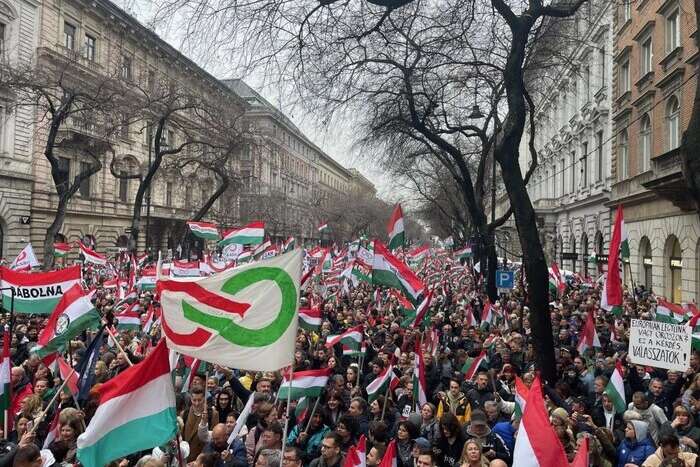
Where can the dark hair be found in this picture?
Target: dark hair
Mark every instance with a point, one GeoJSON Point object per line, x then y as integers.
{"type": "Point", "coordinates": [350, 422]}
{"type": "Point", "coordinates": [427, 453]}
{"type": "Point", "coordinates": [669, 440]}
{"type": "Point", "coordinates": [196, 390]}
{"type": "Point", "coordinates": [337, 440]}
{"type": "Point", "coordinates": [449, 421]}
{"type": "Point", "coordinates": [276, 428]}
{"type": "Point", "coordinates": [297, 452]}
{"type": "Point", "coordinates": [27, 454]}
{"type": "Point", "coordinates": [379, 431]}
{"type": "Point", "coordinates": [209, 460]}
{"type": "Point", "coordinates": [410, 427]}
{"type": "Point", "coordinates": [361, 402]}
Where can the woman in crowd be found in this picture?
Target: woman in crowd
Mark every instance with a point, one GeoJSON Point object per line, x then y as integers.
{"type": "Point", "coordinates": [430, 428]}
{"type": "Point", "coordinates": [472, 455]}
{"type": "Point", "coordinates": [406, 432]}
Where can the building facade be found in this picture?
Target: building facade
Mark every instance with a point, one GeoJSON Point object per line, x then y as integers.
{"type": "Point", "coordinates": [19, 26]}
{"type": "Point", "coordinates": [655, 64]}
{"type": "Point", "coordinates": [571, 185]}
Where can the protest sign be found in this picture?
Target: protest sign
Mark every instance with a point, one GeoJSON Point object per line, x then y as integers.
{"type": "Point", "coordinates": [660, 345]}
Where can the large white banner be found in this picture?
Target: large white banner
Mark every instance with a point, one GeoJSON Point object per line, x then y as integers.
{"type": "Point", "coordinates": [660, 345]}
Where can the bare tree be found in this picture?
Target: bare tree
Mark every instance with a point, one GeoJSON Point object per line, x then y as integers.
{"type": "Point", "coordinates": [76, 117]}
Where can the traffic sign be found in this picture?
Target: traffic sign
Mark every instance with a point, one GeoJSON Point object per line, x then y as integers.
{"type": "Point", "coordinates": [505, 279]}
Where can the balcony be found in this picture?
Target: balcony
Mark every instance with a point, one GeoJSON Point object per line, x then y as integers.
{"type": "Point", "coordinates": [667, 179]}
{"type": "Point", "coordinates": [85, 127]}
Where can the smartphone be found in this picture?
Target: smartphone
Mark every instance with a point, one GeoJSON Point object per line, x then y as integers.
{"type": "Point", "coordinates": [30, 425]}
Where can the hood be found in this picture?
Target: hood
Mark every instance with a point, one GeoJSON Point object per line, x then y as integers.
{"type": "Point", "coordinates": [474, 435]}
{"type": "Point", "coordinates": [641, 429]}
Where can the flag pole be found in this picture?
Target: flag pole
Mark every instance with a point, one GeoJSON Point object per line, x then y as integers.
{"type": "Point", "coordinates": [313, 411]}
{"type": "Point", "coordinates": [386, 397]}
{"type": "Point", "coordinates": [53, 399]}
{"type": "Point", "coordinates": [119, 346]}
{"type": "Point", "coordinates": [289, 402]}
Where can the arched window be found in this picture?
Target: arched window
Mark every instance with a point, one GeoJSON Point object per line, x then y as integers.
{"type": "Point", "coordinates": [584, 255]}
{"type": "Point", "coordinates": [673, 119]}
{"type": "Point", "coordinates": [673, 269]}
{"type": "Point", "coordinates": [644, 143]}
{"type": "Point", "coordinates": [645, 263]}
{"type": "Point", "coordinates": [572, 251]}
{"type": "Point", "coordinates": [623, 150]}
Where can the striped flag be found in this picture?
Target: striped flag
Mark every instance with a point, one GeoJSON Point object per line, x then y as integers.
{"type": "Point", "coordinates": [463, 253]}
{"type": "Point", "coordinates": [91, 256]}
{"type": "Point", "coordinates": [378, 386]}
{"type": "Point", "coordinates": [139, 400]}
{"type": "Point", "coordinates": [694, 323]}
{"type": "Point", "coordinates": [61, 250]}
{"type": "Point", "coordinates": [128, 319]}
{"type": "Point", "coordinates": [486, 316]}
{"type": "Point", "coordinates": [389, 271]}
{"type": "Point", "coordinates": [288, 245]}
{"type": "Point", "coordinates": [395, 229]}
{"type": "Point", "coordinates": [471, 366]}
{"type": "Point", "coordinates": [422, 311]}
{"type": "Point", "coordinates": [310, 318]}
{"type": "Point", "coordinates": [251, 234]}
{"type": "Point", "coordinates": [6, 379]}
{"type": "Point", "coordinates": [419, 385]}
{"type": "Point", "coordinates": [68, 375]}
{"type": "Point", "coordinates": [521, 392]}
{"type": "Point", "coordinates": [619, 246]}
{"type": "Point", "coordinates": [205, 230]}
{"type": "Point", "coordinates": [324, 228]}
{"type": "Point", "coordinates": [308, 383]}
{"type": "Point", "coordinates": [616, 389]}
{"type": "Point", "coordinates": [667, 312]}
{"type": "Point", "coordinates": [389, 459]}
{"type": "Point", "coordinates": [589, 336]}
{"type": "Point", "coordinates": [357, 455]}
{"type": "Point", "coordinates": [352, 336]}
{"type": "Point", "coordinates": [36, 292]}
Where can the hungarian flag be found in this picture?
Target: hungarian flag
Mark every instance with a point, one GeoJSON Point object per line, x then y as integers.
{"type": "Point", "coordinates": [353, 350]}
{"type": "Point", "coordinates": [310, 318]}
{"type": "Point", "coordinates": [557, 285]}
{"type": "Point", "coordinates": [6, 378]}
{"type": "Point", "coordinates": [521, 392]}
{"type": "Point", "coordinates": [54, 430]}
{"type": "Point", "coordinates": [487, 316]}
{"type": "Point", "coordinates": [61, 250]}
{"type": "Point", "coordinates": [205, 230]}
{"type": "Point", "coordinates": [389, 459]}
{"type": "Point", "coordinates": [147, 280]}
{"type": "Point", "coordinates": [193, 367]}
{"type": "Point", "coordinates": [471, 366]}
{"type": "Point", "coordinates": [419, 253]}
{"type": "Point", "coordinates": [25, 260]}
{"type": "Point", "coordinates": [419, 385]}
{"type": "Point", "coordinates": [185, 269]}
{"type": "Point", "coordinates": [463, 253]}
{"type": "Point", "coordinates": [260, 249]}
{"type": "Point", "coordinates": [378, 386]}
{"type": "Point", "coordinates": [128, 319]}
{"type": "Point", "coordinates": [422, 311]}
{"type": "Point", "coordinates": [589, 336]}
{"type": "Point", "coordinates": [91, 256]}
{"type": "Point", "coordinates": [389, 271]}
{"type": "Point", "coordinates": [582, 458]}
{"type": "Point", "coordinates": [619, 247]}
{"type": "Point", "coordinates": [36, 292]}
{"type": "Point", "coordinates": [140, 400]}
{"type": "Point", "coordinates": [68, 375]}
{"type": "Point", "coordinates": [73, 314]}
{"type": "Point", "coordinates": [395, 230]}
{"type": "Point", "coordinates": [537, 445]}
{"type": "Point", "coordinates": [667, 312]}
{"type": "Point", "coordinates": [149, 319]}
{"type": "Point", "coordinates": [288, 245]}
{"type": "Point", "coordinates": [324, 228]}
{"type": "Point", "coordinates": [308, 383]}
{"type": "Point", "coordinates": [616, 389]}
{"type": "Point", "coordinates": [244, 317]}
{"type": "Point", "coordinates": [352, 336]}
{"type": "Point", "coordinates": [251, 234]}
{"type": "Point", "coordinates": [694, 323]}
{"type": "Point", "coordinates": [357, 455]}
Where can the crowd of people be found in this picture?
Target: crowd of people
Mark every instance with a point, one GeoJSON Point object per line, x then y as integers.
{"type": "Point", "coordinates": [466, 422]}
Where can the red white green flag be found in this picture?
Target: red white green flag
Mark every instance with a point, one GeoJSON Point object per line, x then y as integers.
{"type": "Point", "coordinates": [308, 383]}
{"type": "Point", "coordinates": [378, 386]}
{"type": "Point", "coordinates": [352, 337]}
{"type": "Point", "coordinates": [667, 312]}
{"type": "Point", "coordinates": [589, 336]}
{"type": "Point", "coordinates": [36, 292]}
{"type": "Point", "coordinates": [471, 366]}
{"type": "Point", "coordinates": [419, 385]}
{"type": "Point", "coordinates": [6, 379]}
{"type": "Point", "coordinates": [324, 228]}
{"type": "Point", "coordinates": [389, 459]}
{"type": "Point", "coordinates": [616, 389]}
{"type": "Point", "coordinates": [91, 256]}
{"type": "Point", "coordinates": [357, 455]}
{"type": "Point", "coordinates": [395, 229]}
{"type": "Point", "coordinates": [61, 250]}
{"type": "Point", "coordinates": [251, 234]}
{"type": "Point", "coordinates": [389, 271]}
{"type": "Point", "coordinates": [521, 392]}
{"type": "Point", "coordinates": [205, 230]}
{"type": "Point", "coordinates": [619, 247]}
{"type": "Point", "coordinates": [310, 318]}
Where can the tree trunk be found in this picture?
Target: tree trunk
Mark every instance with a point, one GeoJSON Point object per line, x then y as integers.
{"type": "Point", "coordinates": [492, 264]}
{"type": "Point", "coordinates": [690, 147]}
{"type": "Point", "coordinates": [53, 230]}
{"type": "Point", "coordinates": [199, 215]}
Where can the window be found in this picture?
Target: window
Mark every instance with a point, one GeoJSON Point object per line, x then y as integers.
{"type": "Point", "coordinates": [169, 194]}
{"type": "Point", "coordinates": [573, 171]}
{"type": "Point", "coordinates": [584, 165]}
{"type": "Point", "coordinates": [124, 128]}
{"type": "Point", "coordinates": [205, 196]}
{"type": "Point", "coordinates": [601, 66]}
{"type": "Point", "coordinates": [672, 31]}
{"type": "Point", "coordinates": [3, 28]}
{"type": "Point", "coordinates": [646, 58]}
{"type": "Point", "coordinates": [188, 196]}
{"type": "Point", "coordinates": [64, 166]}
{"type": "Point", "coordinates": [586, 83]}
{"type": "Point", "coordinates": [85, 184]}
{"type": "Point", "coordinates": [562, 173]}
{"type": "Point", "coordinates": [69, 36]}
{"type": "Point", "coordinates": [245, 154]}
{"type": "Point", "coordinates": [555, 192]}
{"type": "Point", "coordinates": [673, 123]}
{"type": "Point", "coordinates": [126, 67]}
{"type": "Point", "coordinates": [599, 155]}
{"type": "Point", "coordinates": [623, 154]}
{"type": "Point", "coordinates": [123, 187]}
{"type": "Point", "coordinates": [626, 11]}
{"type": "Point", "coordinates": [151, 80]}
{"type": "Point", "coordinates": [624, 77]}
{"type": "Point", "coordinates": [645, 143]}
{"type": "Point", "coordinates": [89, 51]}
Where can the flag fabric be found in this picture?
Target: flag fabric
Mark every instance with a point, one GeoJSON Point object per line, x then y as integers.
{"type": "Point", "coordinates": [613, 281]}
{"type": "Point", "coordinates": [582, 458]}
{"type": "Point", "coordinates": [310, 318]}
{"type": "Point", "coordinates": [486, 316]}
{"type": "Point", "coordinates": [418, 254]}
{"type": "Point", "coordinates": [537, 445]}
{"type": "Point", "coordinates": [251, 234]}
{"type": "Point", "coordinates": [324, 228]}
{"type": "Point", "coordinates": [6, 378]}
{"type": "Point", "coordinates": [308, 383]}
{"type": "Point", "coordinates": [147, 280]}
{"type": "Point", "coordinates": [352, 336]}
{"type": "Point", "coordinates": [205, 230]}
{"type": "Point", "coordinates": [667, 312]}
{"type": "Point", "coordinates": [242, 418]}
{"type": "Point", "coordinates": [422, 311]}
{"type": "Point", "coordinates": [378, 386]}
{"type": "Point", "coordinates": [128, 319]}
{"type": "Point", "coordinates": [557, 284]}
{"type": "Point", "coordinates": [288, 245]}
{"type": "Point", "coordinates": [420, 388]}
{"type": "Point", "coordinates": [471, 366]}
{"type": "Point", "coordinates": [694, 324]}
{"type": "Point", "coordinates": [68, 375]}
{"type": "Point", "coordinates": [353, 350]}
{"type": "Point", "coordinates": [463, 253]}
{"type": "Point", "coordinates": [589, 336]}
{"type": "Point", "coordinates": [244, 317]}
{"type": "Point", "coordinates": [25, 260]}
{"type": "Point", "coordinates": [390, 271]}
{"type": "Point", "coordinates": [389, 459]}
{"type": "Point", "coordinates": [140, 400]}
{"type": "Point", "coordinates": [395, 230]}
{"type": "Point", "coordinates": [616, 389]}
{"type": "Point", "coordinates": [357, 455]}
{"type": "Point", "coordinates": [91, 256]}
{"type": "Point", "coordinates": [54, 430]}
{"type": "Point", "coordinates": [61, 250]}
{"type": "Point", "coordinates": [185, 269]}
{"type": "Point", "coordinates": [521, 393]}
{"type": "Point", "coordinates": [73, 314]}
{"type": "Point", "coordinates": [36, 292]}
{"type": "Point", "coordinates": [193, 367]}
{"type": "Point", "coordinates": [86, 366]}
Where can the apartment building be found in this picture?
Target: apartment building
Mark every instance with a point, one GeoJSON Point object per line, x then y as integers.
{"type": "Point", "coordinates": [655, 64]}
{"type": "Point", "coordinates": [571, 185]}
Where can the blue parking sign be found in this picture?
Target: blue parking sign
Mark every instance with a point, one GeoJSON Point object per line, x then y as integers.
{"type": "Point", "coordinates": [505, 279]}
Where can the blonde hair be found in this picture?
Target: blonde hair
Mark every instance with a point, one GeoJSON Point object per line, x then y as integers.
{"type": "Point", "coordinates": [463, 458]}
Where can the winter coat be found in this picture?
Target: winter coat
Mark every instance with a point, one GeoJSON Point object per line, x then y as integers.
{"type": "Point", "coordinates": [657, 458]}
{"type": "Point", "coordinates": [446, 454]}
{"type": "Point", "coordinates": [430, 431]}
{"type": "Point", "coordinates": [637, 451]}
{"type": "Point", "coordinates": [491, 441]}
{"type": "Point", "coordinates": [311, 447]}
{"type": "Point", "coordinates": [237, 457]}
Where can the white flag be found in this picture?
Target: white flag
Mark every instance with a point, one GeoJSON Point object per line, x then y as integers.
{"type": "Point", "coordinates": [242, 418]}
{"type": "Point", "coordinates": [25, 260]}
